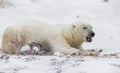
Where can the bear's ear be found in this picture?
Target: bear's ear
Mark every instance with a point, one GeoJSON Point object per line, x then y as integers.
{"type": "Point", "coordinates": [73, 26]}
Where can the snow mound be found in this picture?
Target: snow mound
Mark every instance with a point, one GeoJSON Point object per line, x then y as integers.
{"type": "Point", "coordinates": [6, 3]}
{"type": "Point", "coordinates": [35, 49]}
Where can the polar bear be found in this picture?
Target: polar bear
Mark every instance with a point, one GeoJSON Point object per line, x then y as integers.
{"type": "Point", "coordinates": [66, 39]}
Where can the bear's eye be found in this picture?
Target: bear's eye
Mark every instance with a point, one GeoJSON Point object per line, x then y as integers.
{"type": "Point", "coordinates": [84, 27]}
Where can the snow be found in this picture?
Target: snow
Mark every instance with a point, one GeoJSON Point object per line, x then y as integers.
{"type": "Point", "coordinates": [25, 48]}
{"type": "Point", "coordinates": [103, 16]}
{"type": "Point", "coordinates": [55, 64]}
{"type": "Point", "coordinates": [35, 48]}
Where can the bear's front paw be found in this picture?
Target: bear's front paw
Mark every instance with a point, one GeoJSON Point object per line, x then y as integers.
{"type": "Point", "coordinates": [75, 52]}
{"type": "Point", "coordinates": [90, 52]}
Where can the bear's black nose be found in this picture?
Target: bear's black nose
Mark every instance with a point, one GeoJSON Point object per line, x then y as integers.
{"type": "Point", "coordinates": [92, 34]}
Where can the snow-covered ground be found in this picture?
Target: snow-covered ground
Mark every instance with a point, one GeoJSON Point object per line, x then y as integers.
{"type": "Point", "coordinates": [103, 16]}
{"type": "Point", "coordinates": [53, 64]}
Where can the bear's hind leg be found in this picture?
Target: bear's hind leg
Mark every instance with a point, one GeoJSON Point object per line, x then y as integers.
{"type": "Point", "coordinates": [12, 41]}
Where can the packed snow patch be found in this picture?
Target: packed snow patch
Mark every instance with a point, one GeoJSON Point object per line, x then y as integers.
{"type": "Point", "coordinates": [55, 64]}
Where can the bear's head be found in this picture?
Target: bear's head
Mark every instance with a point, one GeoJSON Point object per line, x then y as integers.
{"type": "Point", "coordinates": [85, 31]}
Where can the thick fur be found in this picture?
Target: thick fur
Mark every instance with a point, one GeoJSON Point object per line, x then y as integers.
{"type": "Point", "coordinates": [66, 39]}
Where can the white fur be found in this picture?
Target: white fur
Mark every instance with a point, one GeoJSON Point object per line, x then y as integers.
{"type": "Point", "coordinates": [63, 38]}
